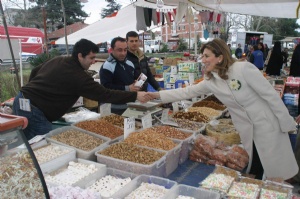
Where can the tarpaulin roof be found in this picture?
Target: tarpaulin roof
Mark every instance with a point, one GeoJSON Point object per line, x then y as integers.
{"type": "Point", "coordinates": [267, 8]}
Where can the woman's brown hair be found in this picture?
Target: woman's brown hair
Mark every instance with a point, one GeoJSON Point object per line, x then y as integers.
{"type": "Point", "coordinates": [219, 47]}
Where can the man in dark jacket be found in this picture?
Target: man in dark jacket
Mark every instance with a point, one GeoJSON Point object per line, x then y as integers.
{"type": "Point", "coordinates": [118, 73]}
{"type": "Point", "coordinates": [257, 58]}
{"type": "Point", "coordinates": [238, 52]}
{"type": "Point", "coordinates": [137, 57]}
{"type": "Point", "coordinates": [56, 86]}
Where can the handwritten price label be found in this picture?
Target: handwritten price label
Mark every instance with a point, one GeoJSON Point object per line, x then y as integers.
{"type": "Point", "coordinates": [147, 121]}
{"type": "Point", "coordinates": [129, 126]}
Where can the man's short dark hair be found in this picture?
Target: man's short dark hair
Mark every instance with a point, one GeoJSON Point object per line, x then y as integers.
{"type": "Point", "coordinates": [255, 47]}
{"type": "Point", "coordinates": [84, 47]}
{"type": "Point", "coordinates": [131, 34]}
{"type": "Point", "coordinates": [113, 42]}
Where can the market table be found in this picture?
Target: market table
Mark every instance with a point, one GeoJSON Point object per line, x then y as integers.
{"type": "Point", "coordinates": [191, 173]}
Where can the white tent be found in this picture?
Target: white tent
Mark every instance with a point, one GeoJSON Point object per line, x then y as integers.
{"type": "Point", "coordinates": [267, 8]}
{"type": "Point", "coordinates": [125, 20]}
{"type": "Point", "coordinates": [107, 28]}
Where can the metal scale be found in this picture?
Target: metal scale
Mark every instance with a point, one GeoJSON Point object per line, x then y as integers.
{"type": "Point", "coordinates": [139, 110]}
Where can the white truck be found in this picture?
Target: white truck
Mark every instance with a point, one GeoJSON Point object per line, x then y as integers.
{"type": "Point", "coordinates": [253, 38]}
{"type": "Point", "coordinates": [151, 46]}
{"type": "Point", "coordinates": [5, 52]}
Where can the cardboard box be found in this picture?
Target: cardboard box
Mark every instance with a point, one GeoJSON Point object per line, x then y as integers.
{"type": "Point", "coordinates": [170, 61]}
{"type": "Point", "coordinates": [188, 67]}
{"type": "Point", "coordinates": [170, 78]}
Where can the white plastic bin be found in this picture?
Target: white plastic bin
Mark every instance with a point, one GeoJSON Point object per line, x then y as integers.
{"type": "Point", "coordinates": [59, 161]}
{"type": "Point", "coordinates": [117, 139]}
{"type": "Point", "coordinates": [197, 193]}
{"type": "Point", "coordinates": [186, 146]}
{"type": "Point", "coordinates": [113, 172]}
{"type": "Point", "coordinates": [157, 168]}
{"type": "Point", "coordinates": [88, 155]}
{"type": "Point", "coordinates": [135, 183]}
{"type": "Point", "coordinates": [81, 183]}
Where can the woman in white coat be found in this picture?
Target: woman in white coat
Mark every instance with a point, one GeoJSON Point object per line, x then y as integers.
{"type": "Point", "coordinates": [256, 109]}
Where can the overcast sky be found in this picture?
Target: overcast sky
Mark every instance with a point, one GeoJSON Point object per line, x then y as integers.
{"type": "Point", "coordinates": [93, 9]}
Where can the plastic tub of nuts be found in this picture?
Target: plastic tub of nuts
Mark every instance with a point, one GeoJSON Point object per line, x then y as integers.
{"type": "Point", "coordinates": [77, 172]}
{"type": "Point", "coordinates": [51, 156]}
{"type": "Point", "coordinates": [103, 128]}
{"type": "Point", "coordinates": [85, 143]}
{"type": "Point", "coordinates": [145, 186]}
{"type": "Point", "coordinates": [191, 192]}
{"type": "Point", "coordinates": [134, 159]}
{"type": "Point", "coordinates": [110, 182]}
{"type": "Point", "coordinates": [157, 140]}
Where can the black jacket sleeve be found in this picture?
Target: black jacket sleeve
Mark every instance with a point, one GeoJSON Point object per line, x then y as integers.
{"type": "Point", "coordinates": [106, 78]}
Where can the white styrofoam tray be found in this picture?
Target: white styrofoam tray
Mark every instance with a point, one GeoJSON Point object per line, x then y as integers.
{"type": "Point", "coordinates": [88, 155]}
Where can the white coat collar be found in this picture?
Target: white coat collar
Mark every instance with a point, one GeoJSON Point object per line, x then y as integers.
{"type": "Point", "coordinates": [216, 75]}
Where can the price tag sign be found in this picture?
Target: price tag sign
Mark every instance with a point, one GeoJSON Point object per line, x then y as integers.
{"type": "Point", "coordinates": [147, 121]}
{"type": "Point", "coordinates": [105, 109]}
{"type": "Point", "coordinates": [175, 107]}
{"type": "Point", "coordinates": [165, 115]}
{"type": "Point", "coordinates": [184, 106]}
{"type": "Point", "coordinates": [191, 78]}
{"type": "Point", "coordinates": [129, 126]}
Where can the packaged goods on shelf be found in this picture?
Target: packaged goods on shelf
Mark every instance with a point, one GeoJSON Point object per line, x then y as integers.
{"type": "Point", "coordinates": [145, 186]}
{"type": "Point", "coordinates": [85, 143]}
{"type": "Point", "coordinates": [188, 66]}
{"type": "Point", "coordinates": [74, 173]}
{"type": "Point", "coordinates": [134, 159]}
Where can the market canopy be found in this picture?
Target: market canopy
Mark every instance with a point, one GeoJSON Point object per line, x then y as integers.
{"type": "Point", "coordinates": [105, 29]}
{"type": "Point", "coordinates": [266, 8]}
{"type": "Point", "coordinates": [109, 27]}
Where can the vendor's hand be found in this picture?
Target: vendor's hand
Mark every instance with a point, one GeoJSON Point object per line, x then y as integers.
{"type": "Point", "coordinates": [132, 87]}
{"type": "Point", "coordinates": [298, 119]}
{"type": "Point", "coordinates": [143, 97]}
{"type": "Point", "coordinates": [154, 95]}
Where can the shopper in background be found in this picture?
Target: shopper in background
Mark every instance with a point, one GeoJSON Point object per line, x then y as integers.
{"type": "Point", "coordinates": [256, 109]}
{"type": "Point", "coordinates": [256, 58]}
{"type": "Point", "coordinates": [58, 84]}
{"type": "Point", "coordinates": [274, 60]}
{"type": "Point", "coordinates": [250, 51]}
{"type": "Point", "coordinates": [137, 57]}
{"type": "Point", "coordinates": [261, 47]}
{"type": "Point", "coordinates": [238, 52]}
{"type": "Point", "coordinates": [117, 72]}
{"type": "Point", "coordinates": [295, 63]}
